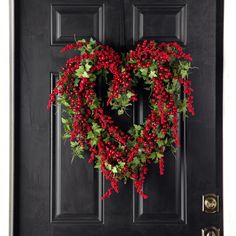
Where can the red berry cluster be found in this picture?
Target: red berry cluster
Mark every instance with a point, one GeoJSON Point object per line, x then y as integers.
{"type": "Point", "coordinates": [121, 156]}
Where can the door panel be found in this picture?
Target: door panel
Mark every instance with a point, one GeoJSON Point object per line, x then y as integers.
{"type": "Point", "coordinates": [159, 21]}
{"type": "Point", "coordinates": [58, 198]}
{"type": "Point", "coordinates": [76, 19]}
{"type": "Point", "coordinates": [83, 205]}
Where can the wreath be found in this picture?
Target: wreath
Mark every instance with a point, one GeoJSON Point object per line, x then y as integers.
{"type": "Point", "coordinates": [120, 156]}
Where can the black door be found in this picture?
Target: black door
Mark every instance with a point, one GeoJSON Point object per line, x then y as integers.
{"type": "Point", "coordinates": [54, 197]}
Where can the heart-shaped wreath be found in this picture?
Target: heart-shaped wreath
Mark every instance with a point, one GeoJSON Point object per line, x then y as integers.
{"type": "Point", "coordinates": [164, 67]}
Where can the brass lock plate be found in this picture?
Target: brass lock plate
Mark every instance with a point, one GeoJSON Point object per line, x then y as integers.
{"type": "Point", "coordinates": [211, 231]}
{"type": "Point", "coordinates": [210, 203]}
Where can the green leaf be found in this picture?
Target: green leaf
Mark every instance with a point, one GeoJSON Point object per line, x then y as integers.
{"type": "Point", "coordinates": [98, 164]}
{"type": "Point", "coordinates": [62, 100]}
{"type": "Point", "coordinates": [92, 77]}
{"type": "Point", "coordinates": [136, 161]}
{"type": "Point", "coordinates": [79, 71]}
{"type": "Point", "coordinates": [66, 136]}
{"type": "Point", "coordinates": [121, 112]}
{"type": "Point", "coordinates": [95, 104]}
{"type": "Point", "coordinates": [130, 143]}
{"type": "Point", "coordinates": [73, 144]}
{"type": "Point", "coordinates": [66, 124]}
{"type": "Point", "coordinates": [136, 131]}
{"type": "Point", "coordinates": [144, 71]}
{"type": "Point", "coordinates": [170, 118]}
{"type": "Point", "coordinates": [108, 166]}
{"type": "Point", "coordinates": [154, 106]}
{"type": "Point", "coordinates": [152, 156]}
{"type": "Point", "coordinates": [64, 121]}
{"type": "Point", "coordinates": [160, 135]}
{"type": "Point", "coordinates": [90, 135]}
{"type": "Point", "coordinates": [183, 73]}
{"type": "Point", "coordinates": [137, 74]}
{"type": "Point", "coordinates": [130, 94]}
{"type": "Point", "coordinates": [184, 67]}
{"type": "Point", "coordinates": [160, 142]}
{"type": "Point", "coordinates": [96, 129]}
{"type": "Point", "coordinates": [77, 150]}
{"type": "Point", "coordinates": [92, 41]}
{"type": "Point", "coordinates": [183, 106]}
{"type": "Point", "coordinates": [153, 66]}
{"type": "Point", "coordinates": [94, 141]}
{"type": "Point", "coordinates": [121, 164]}
{"type": "Point", "coordinates": [76, 81]}
{"type": "Point", "coordinates": [152, 74]}
{"type": "Point", "coordinates": [143, 158]}
{"type": "Point", "coordinates": [114, 170]}
{"type": "Point", "coordinates": [94, 134]}
{"type": "Point", "coordinates": [174, 82]}
{"type": "Point", "coordinates": [66, 127]}
{"type": "Point", "coordinates": [81, 41]}
{"type": "Point", "coordinates": [107, 139]}
{"type": "Point", "coordinates": [155, 156]}
{"type": "Point", "coordinates": [85, 75]}
{"type": "Point", "coordinates": [159, 155]}
{"type": "Point", "coordinates": [137, 127]}
{"type": "Point", "coordinates": [131, 61]}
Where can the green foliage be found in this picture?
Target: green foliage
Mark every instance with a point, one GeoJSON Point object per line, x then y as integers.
{"type": "Point", "coordinates": [117, 168]}
{"type": "Point", "coordinates": [152, 74]}
{"type": "Point", "coordinates": [182, 107]}
{"type": "Point", "coordinates": [144, 71]}
{"type": "Point", "coordinates": [107, 139]}
{"type": "Point", "coordinates": [95, 104]}
{"type": "Point", "coordinates": [131, 61]}
{"type": "Point", "coordinates": [148, 73]}
{"type": "Point", "coordinates": [66, 135]}
{"type": "Point", "coordinates": [96, 129]}
{"type": "Point", "coordinates": [173, 86]}
{"type": "Point", "coordinates": [62, 100]}
{"type": "Point", "coordinates": [94, 134]}
{"type": "Point", "coordinates": [97, 162]}
{"type": "Point", "coordinates": [121, 164]}
{"type": "Point", "coordinates": [91, 46]}
{"type": "Point", "coordinates": [136, 131]}
{"type": "Point", "coordinates": [184, 68]}
{"type": "Point", "coordinates": [155, 156]}
{"type": "Point", "coordinates": [66, 122]}
{"type": "Point", "coordinates": [122, 102]}
{"type": "Point", "coordinates": [160, 135]}
{"type": "Point", "coordinates": [181, 68]}
{"type": "Point", "coordinates": [129, 94]}
{"type": "Point", "coordinates": [170, 118]}
{"type": "Point", "coordinates": [77, 150]}
{"type": "Point", "coordinates": [136, 163]}
{"type": "Point", "coordinates": [81, 72]}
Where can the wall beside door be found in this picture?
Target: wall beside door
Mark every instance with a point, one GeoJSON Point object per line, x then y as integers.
{"type": "Point", "coordinates": [229, 114]}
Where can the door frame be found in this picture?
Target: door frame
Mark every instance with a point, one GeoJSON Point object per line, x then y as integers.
{"type": "Point", "coordinates": [227, 136]}
{"type": "Point", "coordinates": [12, 115]}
